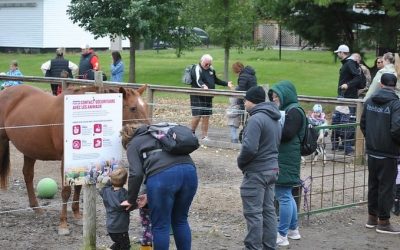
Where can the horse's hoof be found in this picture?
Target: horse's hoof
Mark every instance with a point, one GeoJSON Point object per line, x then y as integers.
{"type": "Point", "coordinates": [39, 211]}
{"type": "Point", "coordinates": [63, 231]}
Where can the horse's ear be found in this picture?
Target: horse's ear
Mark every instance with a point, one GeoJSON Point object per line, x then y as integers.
{"type": "Point", "coordinates": [142, 89]}
{"type": "Point", "coordinates": [123, 91]}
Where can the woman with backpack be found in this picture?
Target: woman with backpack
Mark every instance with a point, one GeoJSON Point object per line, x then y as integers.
{"type": "Point", "coordinates": [171, 183]}
{"type": "Point", "coordinates": [285, 96]}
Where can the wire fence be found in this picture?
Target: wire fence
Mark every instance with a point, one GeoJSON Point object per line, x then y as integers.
{"type": "Point", "coordinates": [332, 178]}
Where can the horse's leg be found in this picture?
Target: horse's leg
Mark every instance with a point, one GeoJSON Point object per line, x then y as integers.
{"type": "Point", "coordinates": [75, 204]}
{"type": "Point", "coordinates": [28, 171]}
{"type": "Point", "coordinates": [65, 194]}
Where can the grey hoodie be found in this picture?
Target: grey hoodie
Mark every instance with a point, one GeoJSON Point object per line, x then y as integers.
{"type": "Point", "coordinates": [261, 139]}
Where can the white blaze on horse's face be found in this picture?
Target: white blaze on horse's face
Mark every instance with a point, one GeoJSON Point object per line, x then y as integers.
{"type": "Point", "coordinates": [141, 102]}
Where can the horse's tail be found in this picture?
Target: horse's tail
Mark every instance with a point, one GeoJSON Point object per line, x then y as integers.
{"type": "Point", "coordinates": [4, 163]}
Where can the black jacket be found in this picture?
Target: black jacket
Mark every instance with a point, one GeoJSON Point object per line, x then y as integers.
{"type": "Point", "coordinates": [380, 124]}
{"type": "Point", "coordinates": [350, 73]}
{"type": "Point", "coordinates": [142, 143]}
{"type": "Point", "coordinates": [207, 77]}
{"type": "Point", "coordinates": [247, 79]}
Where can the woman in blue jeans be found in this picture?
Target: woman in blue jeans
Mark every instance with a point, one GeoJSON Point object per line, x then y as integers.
{"type": "Point", "coordinates": [285, 96]}
{"type": "Point", "coordinates": [171, 182]}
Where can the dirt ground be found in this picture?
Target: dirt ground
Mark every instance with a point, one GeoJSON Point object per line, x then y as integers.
{"type": "Point", "coordinates": [216, 215]}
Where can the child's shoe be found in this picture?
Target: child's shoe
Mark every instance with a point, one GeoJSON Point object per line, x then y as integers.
{"type": "Point", "coordinates": [146, 248]}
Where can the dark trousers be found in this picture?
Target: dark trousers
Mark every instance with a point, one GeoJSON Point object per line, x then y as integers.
{"type": "Point", "coordinates": [381, 179]}
{"type": "Point", "coordinates": [54, 88]}
{"type": "Point", "coordinates": [121, 241]}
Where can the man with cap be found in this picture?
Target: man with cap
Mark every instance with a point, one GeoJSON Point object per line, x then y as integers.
{"type": "Point", "coordinates": [380, 124]}
{"type": "Point", "coordinates": [350, 76]}
{"type": "Point", "coordinates": [54, 67]}
{"type": "Point", "coordinates": [258, 160]}
{"type": "Point", "coordinates": [89, 63]}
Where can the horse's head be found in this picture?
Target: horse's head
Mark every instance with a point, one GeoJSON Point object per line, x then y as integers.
{"type": "Point", "coordinates": [134, 108]}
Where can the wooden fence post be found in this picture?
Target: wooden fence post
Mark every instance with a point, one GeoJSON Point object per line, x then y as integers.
{"type": "Point", "coordinates": [89, 217]}
{"type": "Point", "coordinates": [150, 101]}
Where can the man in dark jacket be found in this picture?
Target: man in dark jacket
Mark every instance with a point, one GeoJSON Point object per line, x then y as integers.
{"type": "Point", "coordinates": [350, 77]}
{"type": "Point", "coordinates": [204, 77]}
{"type": "Point", "coordinates": [54, 67]}
{"type": "Point", "coordinates": [88, 64]}
{"type": "Point", "coordinates": [380, 124]}
{"type": "Point", "coordinates": [258, 160]}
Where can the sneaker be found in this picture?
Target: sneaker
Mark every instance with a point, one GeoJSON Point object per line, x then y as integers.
{"type": "Point", "coordinates": [387, 228]}
{"type": "Point", "coordinates": [294, 234]}
{"type": "Point", "coordinates": [372, 221]}
{"type": "Point", "coordinates": [205, 138]}
{"type": "Point", "coordinates": [282, 240]}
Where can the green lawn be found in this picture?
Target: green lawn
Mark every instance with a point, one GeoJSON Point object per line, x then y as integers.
{"type": "Point", "coordinates": [314, 73]}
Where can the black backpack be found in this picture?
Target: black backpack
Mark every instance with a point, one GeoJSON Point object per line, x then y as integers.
{"type": "Point", "coordinates": [174, 138]}
{"type": "Point", "coordinates": [309, 142]}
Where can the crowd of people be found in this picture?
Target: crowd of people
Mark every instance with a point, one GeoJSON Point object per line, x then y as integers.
{"type": "Point", "coordinates": [162, 185]}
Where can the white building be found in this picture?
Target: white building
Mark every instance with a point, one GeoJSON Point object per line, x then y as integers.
{"type": "Point", "coordinates": [43, 24]}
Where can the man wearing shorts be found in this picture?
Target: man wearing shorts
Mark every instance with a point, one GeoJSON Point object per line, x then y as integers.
{"type": "Point", "coordinates": [204, 77]}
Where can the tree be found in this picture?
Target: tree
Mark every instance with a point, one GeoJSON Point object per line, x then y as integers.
{"type": "Point", "coordinates": [133, 19]}
{"type": "Point", "coordinates": [229, 22]}
{"type": "Point", "coordinates": [332, 22]}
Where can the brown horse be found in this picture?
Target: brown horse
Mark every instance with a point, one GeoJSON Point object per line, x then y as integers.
{"type": "Point", "coordinates": [33, 121]}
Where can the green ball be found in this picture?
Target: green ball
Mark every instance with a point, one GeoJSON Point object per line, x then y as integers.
{"type": "Point", "coordinates": [46, 188]}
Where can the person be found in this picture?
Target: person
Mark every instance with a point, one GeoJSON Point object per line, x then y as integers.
{"type": "Point", "coordinates": [89, 63]}
{"type": "Point", "coordinates": [171, 184]}
{"type": "Point", "coordinates": [258, 160]}
{"type": "Point", "coordinates": [389, 60]}
{"type": "Point", "coordinates": [233, 114]}
{"type": "Point", "coordinates": [204, 76]}
{"type": "Point", "coordinates": [14, 71]}
{"type": "Point", "coordinates": [380, 124]}
{"type": "Point", "coordinates": [378, 64]}
{"type": "Point", "coordinates": [365, 71]}
{"type": "Point", "coordinates": [117, 67]}
{"type": "Point", "coordinates": [317, 117]}
{"type": "Point", "coordinates": [285, 96]}
{"type": "Point", "coordinates": [350, 78]}
{"type": "Point", "coordinates": [54, 67]}
{"type": "Point", "coordinates": [246, 79]}
{"type": "Point", "coordinates": [113, 193]}
{"type": "Point", "coordinates": [341, 137]}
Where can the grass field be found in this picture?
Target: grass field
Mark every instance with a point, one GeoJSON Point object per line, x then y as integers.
{"type": "Point", "coordinates": [314, 73]}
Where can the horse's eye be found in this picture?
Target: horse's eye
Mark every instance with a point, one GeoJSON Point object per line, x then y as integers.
{"type": "Point", "coordinates": [132, 109]}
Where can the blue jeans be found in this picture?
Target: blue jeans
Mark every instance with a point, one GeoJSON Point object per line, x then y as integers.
{"type": "Point", "coordinates": [287, 209]}
{"type": "Point", "coordinates": [233, 130]}
{"type": "Point", "coordinates": [170, 194]}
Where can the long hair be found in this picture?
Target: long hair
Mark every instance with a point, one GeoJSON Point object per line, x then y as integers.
{"type": "Point", "coordinates": [237, 67]}
{"type": "Point", "coordinates": [116, 56]}
{"type": "Point", "coordinates": [127, 133]}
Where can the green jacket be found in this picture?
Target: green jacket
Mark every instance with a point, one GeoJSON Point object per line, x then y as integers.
{"type": "Point", "coordinates": [289, 151]}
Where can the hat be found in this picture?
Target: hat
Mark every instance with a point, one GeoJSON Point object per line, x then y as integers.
{"type": "Point", "coordinates": [342, 48]}
{"type": "Point", "coordinates": [343, 109]}
{"type": "Point", "coordinates": [255, 94]}
{"type": "Point", "coordinates": [389, 79]}
{"type": "Point", "coordinates": [60, 51]}
{"type": "Point", "coordinates": [317, 108]}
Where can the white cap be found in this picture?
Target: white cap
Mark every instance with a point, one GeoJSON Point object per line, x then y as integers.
{"type": "Point", "coordinates": [85, 46]}
{"type": "Point", "coordinates": [343, 109]}
{"type": "Point", "coordinates": [342, 48]}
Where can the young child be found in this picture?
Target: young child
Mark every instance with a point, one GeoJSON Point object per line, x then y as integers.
{"type": "Point", "coordinates": [14, 71]}
{"type": "Point", "coordinates": [233, 114]}
{"type": "Point", "coordinates": [317, 117]}
{"type": "Point", "coordinates": [117, 222]}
